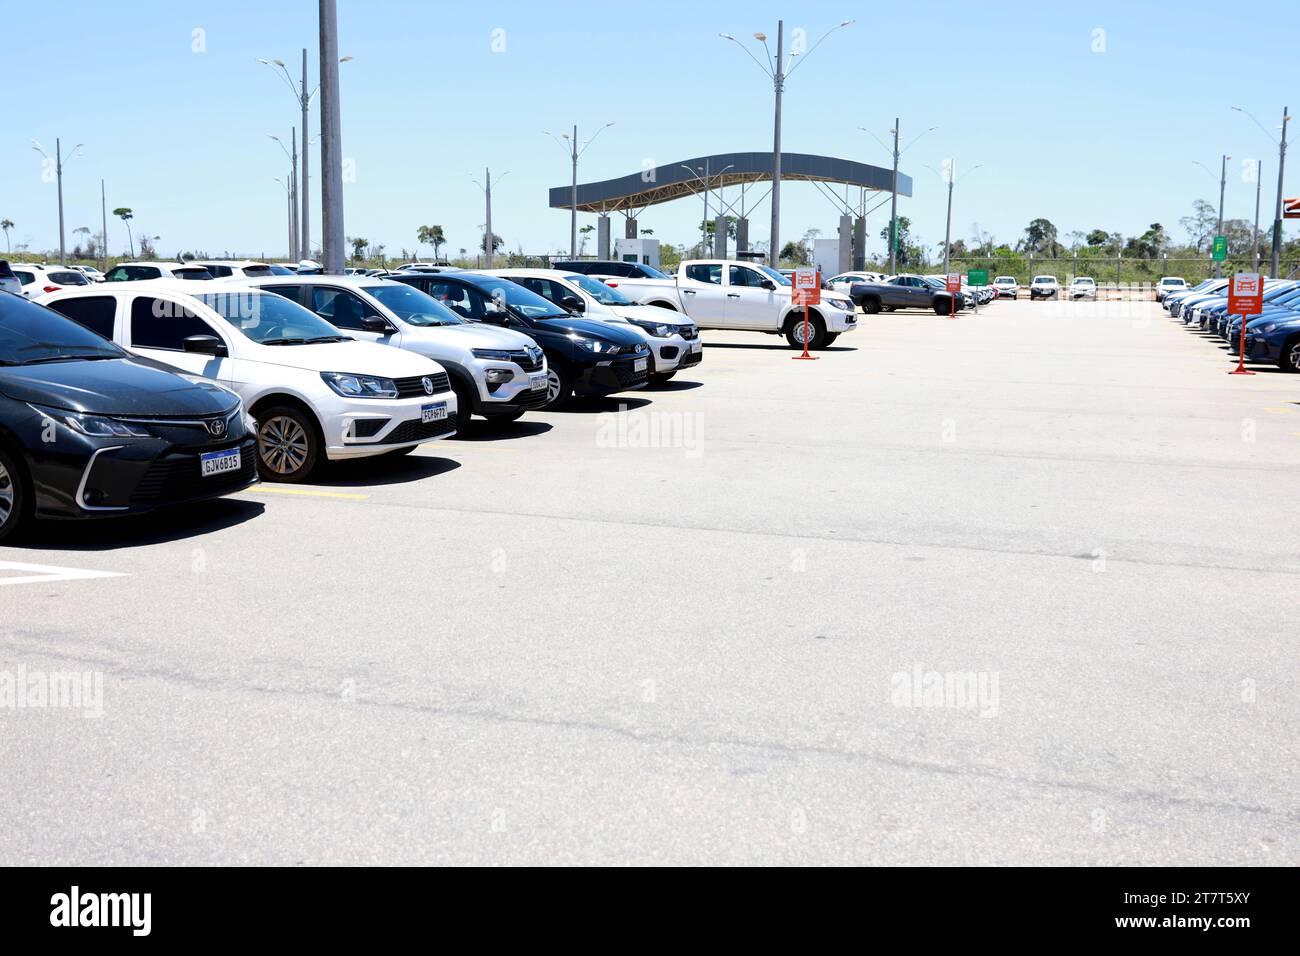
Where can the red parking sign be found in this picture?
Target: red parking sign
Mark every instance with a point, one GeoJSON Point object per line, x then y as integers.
{"type": "Point", "coordinates": [954, 282]}
{"type": "Point", "coordinates": [807, 287]}
{"type": "Point", "coordinates": [1246, 294]}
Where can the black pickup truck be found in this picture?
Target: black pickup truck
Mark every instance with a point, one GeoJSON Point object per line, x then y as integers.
{"type": "Point", "coordinates": [904, 292]}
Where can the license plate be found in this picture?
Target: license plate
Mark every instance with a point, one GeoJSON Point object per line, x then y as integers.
{"type": "Point", "coordinates": [537, 381]}
{"type": "Point", "coordinates": [433, 413]}
{"type": "Point", "coordinates": [219, 462]}
{"type": "Point", "coordinates": [639, 365]}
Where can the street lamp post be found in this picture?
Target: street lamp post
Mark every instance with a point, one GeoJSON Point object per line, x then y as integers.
{"type": "Point", "coordinates": [58, 173]}
{"type": "Point", "coordinates": [1281, 172]}
{"type": "Point", "coordinates": [704, 225]}
{"type": "Point", "coordinates": [778, 76]}
{"type": "Point", "coordinates": [1259, 170]}
{"type": "Point", "coordinates": [947, 229]}
{"type": "Point", "coordinates": [893, 187]}
{"type": "Point", "coordinates": [1223, 179]}
{"type": "Point", "coordinates": [489, 236]}
{"type": "Point", "coordinates": [573, 152]}
{"type": "Point", "coordinates": [294, 204]}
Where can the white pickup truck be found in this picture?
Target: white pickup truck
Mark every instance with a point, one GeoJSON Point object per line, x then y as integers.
{"type": "Point", "coordinates": [745, 296]}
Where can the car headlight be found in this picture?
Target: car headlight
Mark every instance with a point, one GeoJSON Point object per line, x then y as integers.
{"type": "Point", "coordinates": [657, 329]}
{"type": "Point", "coordinates": [592, 345]}
{"type": "Point", "coordinates": [93, 426]}
{"type": "Point", "coordinates": [360, 386]}
{"type": "Point", "coordinates": [844, 305]}
{"type": "Point", "coordinates": [492, 355]}
{"type": "Point", "coordinates": [1267, 329]}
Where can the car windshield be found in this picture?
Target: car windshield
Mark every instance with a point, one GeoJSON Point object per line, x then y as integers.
{"type": "Point", "coordinates": [270, 319]}
{"type": "Point", "coordinates": [598, 290]}
{"type": "Point", "coordinates": [1003, 280]}
{"type": "Point", "coordinates": [772, 274]}
{"type": "Point", "coordinates": [412, 306]}
{"type": "Point", "coordinates": [31, 334]}
{"type": "Point", "coordinates": [1044, 280]}
{"type": "Point", "coordinates": [1084, 282]}
{"type": "Point", "coordinates": [528, 304]}
{"type": "Point", "coordinates": [67, 278]}
{"type": "Point", "coordinates": [192, 274]}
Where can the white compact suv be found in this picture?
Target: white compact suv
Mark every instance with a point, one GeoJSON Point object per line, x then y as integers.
{"type": "Point", "coordinates": [314, 393]}
{"type": "Point", "coordinates": [673, 338]}
{"type": "Point", "coordinates": [37, 280]}
{"type": "Point", "coordinates": [1044, 287]}
{"type": "Point", "coordinates": [1169, 285]}
{"type": "Point", "coordinates": [1083, 287]}
{"type": "Point", "coordinates": [245, 268]}
{"type": "Point", "coordinates": [143, 271]}
{"type": "Point", "coordinates": [496, 373]}
{"type": "Point", "coordinates": [1007, 287]}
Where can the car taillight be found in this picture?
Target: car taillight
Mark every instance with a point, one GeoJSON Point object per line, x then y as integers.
{"type": "Point", "coordinates": [53, 288]}
{"type": "Point", "coordinates": [612, 285]}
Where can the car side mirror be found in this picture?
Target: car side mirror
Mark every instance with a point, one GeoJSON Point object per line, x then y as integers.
{"type": "Point", "coordinates": [376, 323]}
{"type": "Point", "coordinates": [572, 303]}
{"type": "Point", "coordinates": [205, 345]}
{"type": "Point", "coordinates": [768, 284]}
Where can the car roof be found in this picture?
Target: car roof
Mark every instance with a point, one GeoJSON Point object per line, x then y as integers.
{"type": "Point", "coordinates": [355, 282]}
{"type": "Point", "coordinates": [228, 262]}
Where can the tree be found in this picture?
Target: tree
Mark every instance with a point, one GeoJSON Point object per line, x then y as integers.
{"type": "Point", "coordinates": [1097, 237]}
{"type": "Point", "coordinates": [1040, 238]}
{"type": "Point", "coordinates": [497, 243]}
{"type": "Point", "coordinates": [147, 250]}
{"type": "Point", "coordinates": [358, 248]}
{"type": "Point", "coordinates": [1149, 245]}
{"type": "Point", "coordinates": [1200, 225]}
{"type": "Point", "coordinates": [585, 232]}
{"type": "Point", "coordinates": [438, 238]}
{"type": "Point", "coordinates": [124, 213]}
{"type": "Point", "coordinates": [904, 237]}
{"type": "Point", "coordinates": [795, 252]}
{"type": "Point", "coordinates": [6, 225]}
{"type": "Point", "coordinates": [377, 253]}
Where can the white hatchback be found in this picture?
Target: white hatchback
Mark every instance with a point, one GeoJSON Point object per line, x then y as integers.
{"type": "Point", "coordinates": [314, 392]}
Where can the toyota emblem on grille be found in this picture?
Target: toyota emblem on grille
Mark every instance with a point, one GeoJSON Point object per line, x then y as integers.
{"type": "Point", "coordinates": [217, 427]}
{"type": "Point", "coordinates": [428, 385]}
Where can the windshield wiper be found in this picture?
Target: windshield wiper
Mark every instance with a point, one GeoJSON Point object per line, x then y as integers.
{"type": "Point", "coordinates": [66, 358]}
{"type": "Point", "coordinates": [328, 338]}
{"type": "Point", "coordinates": [290, 341]}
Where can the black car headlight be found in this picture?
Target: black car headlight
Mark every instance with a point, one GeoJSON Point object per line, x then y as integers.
{"type": "Point", "coordinates": [657, 329]}
{"type": "Point", "coordinates": [493, 355]}
{"type": "Point", "coordinates": [93, 426]}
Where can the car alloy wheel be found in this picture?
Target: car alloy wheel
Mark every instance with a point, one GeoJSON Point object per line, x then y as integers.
{"type": "Point", "coordinates": [552, 386]}
{"type": "Point", "coordinates": [282, 444]}
{"type": "Point", "coordinates": [7, 495]}
{"type": "Point", "coordinates": [1292, 360]}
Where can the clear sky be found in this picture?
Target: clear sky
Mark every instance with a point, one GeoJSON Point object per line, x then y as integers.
{"type": "Point", "coordinates": [1089, 129]}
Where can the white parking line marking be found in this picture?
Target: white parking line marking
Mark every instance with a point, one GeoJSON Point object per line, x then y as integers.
{"type": "Point", "coordinates": [47, 574]}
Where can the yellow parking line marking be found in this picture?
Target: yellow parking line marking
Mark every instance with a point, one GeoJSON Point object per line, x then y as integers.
{"type": "Point", "coordinates": [1280, 411]}
{"type": "Point", "coordinates": [308, 493]}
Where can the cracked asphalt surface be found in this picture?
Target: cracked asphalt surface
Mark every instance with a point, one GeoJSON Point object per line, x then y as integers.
{"type": "Point", "coordinates": [550, 643]}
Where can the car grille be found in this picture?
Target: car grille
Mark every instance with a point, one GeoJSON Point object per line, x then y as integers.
{"type": "Point", "coordinates": [628, 376]}
{"type": "Point", "coordinates": [416, 430]}
{"type": "Point", "coordinates": [527, 363]}
{"type": "Point", "coordinates": [529, 399]}
{"type": "Point", "coordinates": [177, 478]}
{"type": "Point", "coordinates": [691, 358]}
{"type": "Point", "coordinates": [413, 386]}
{"type": "Point", "coordinates": [638, 349]}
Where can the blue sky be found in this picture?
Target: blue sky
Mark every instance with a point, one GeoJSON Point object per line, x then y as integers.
{"type": "Point", "coordinates": [1087, 139]}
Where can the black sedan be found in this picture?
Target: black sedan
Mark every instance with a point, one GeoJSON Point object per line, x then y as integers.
{"type": "Point", "coordinates": [583, 356]}
{"type": "Point", "coordinates": [89, 430]}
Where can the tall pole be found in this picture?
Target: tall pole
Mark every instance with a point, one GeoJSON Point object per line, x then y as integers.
{"type": "Point", "coordinates": [331, 148]}
{"type": "Point", "coordinates": [58, 169]}
{"type": "Point", "coordinates": [288, 214]}
{"type": "Point", "coordinates": [488, 244]}
{"type": "Point", "coordinates": [103, 225]}
{"type": "Point", "coordinates": [778, 85]}
{"type": "Point", "coordinates": [573, 214]}
{"type": "Point", "coordinates": [295, 249]}
{"type": "Point", "coordinates": [304, 203]}
{"type": "Point", "coordinates": [1223, 181]}
{"type": "Point", "coordinates": [1277, 215]}
{"type": "Point", "coordinates": [947, 229]}
{"type": "Point", "coordinates": [893, 208]}
{"type": "Point", "coordinates": [1259, 168]}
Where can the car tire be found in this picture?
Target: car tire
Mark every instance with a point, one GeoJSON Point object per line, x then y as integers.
{"type": "Point", "coordinates": [871, 306]}
{"type": "Point", "coordinates": [945, 308]}
{"type": "Point", "coordinates": [15, 499]}
{"type": "Point", "coordinates": [559, 387]}
{"type": "Point", "coordinates": [830, 338]}
{"type": "Point", "coordinates": [816, 332]}
{"type": "Point", "coordinates": [464, 406]}
{"type": "Point", "coordinates": [289, 444]}
{"type": "Point", "coordinates": [1289, 359]}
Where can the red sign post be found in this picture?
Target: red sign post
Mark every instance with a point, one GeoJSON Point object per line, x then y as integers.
{"type": "Point", "coordinates": [807, 291]}
{"type": "Point", "coordinates": [952, 283]}
{"type": "Point", "coordinates": [1245, 299]}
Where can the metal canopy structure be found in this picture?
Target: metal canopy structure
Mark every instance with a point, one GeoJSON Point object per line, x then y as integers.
{"type": "Point", "coordinates": [672, 181]}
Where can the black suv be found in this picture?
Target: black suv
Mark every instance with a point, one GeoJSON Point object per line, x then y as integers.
{"type": "Point", "coordinates": [610, 267]}
{"type": "Point", "coordinates": [88, 430]}
{"type": "Point", "coordinates": [583, 356]}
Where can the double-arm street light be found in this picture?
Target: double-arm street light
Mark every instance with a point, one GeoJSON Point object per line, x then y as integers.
{"type": "Point", "coordinates": [774, 67]}
{"type": "Point", "coordinates": [1223, 182]}
{"type": "Point", "coordinates": [1281, 169]}
{"type": "Point", "coordinates": [893, 186]}
{"type": "Point", "coordinates": [58, 172]}
{"type": "Point", "coordinates": [951, 180]}
{"type": "Point", "coordinates": [704, 179]}
{"type": "Point", "coordinates": [301, 194]}
{"type": "Point", "coordinates": [291, 153]}
{"type": "Point", "coordinates": [573, 151]}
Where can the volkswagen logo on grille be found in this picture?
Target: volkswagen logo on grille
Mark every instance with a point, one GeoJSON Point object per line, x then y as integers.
{"type": "Point", "coordinates": [428, 385]}
{"type": "Point", "coordinates": [217, 427]}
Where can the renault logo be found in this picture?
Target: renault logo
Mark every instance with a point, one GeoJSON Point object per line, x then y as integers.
{"type": "Point", "coordinates": [217, 427]}
{"type": "Point", "coordinates": [428, 385]}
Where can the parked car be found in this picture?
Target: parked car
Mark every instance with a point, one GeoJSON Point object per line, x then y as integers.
{"type": "Point", "coordinates": [1180, 304]}
{"type": "Point", "coordinates": [1276, 339]}
{"type": "Point", "coordinates": [1168, 285]}
{"type": "Point", "coordinates": [314, 392]}
{"type": "Point", "coordinates": [845, 280]}
{"type": "Point", "coordinates": [90, 272]}
{"type": "Point", "coordinates": [746, 296]}
{"type": "Point", "coordinates": [1007, 287]}
{"type": "Point", "coordinates": [673, 338]}
{"type": "Point", "coordinates": [8, 281]}
{"type": "Point", "coordinates": [1083, 287]}
{"type": "Point", "coordinates": [88, 430]}
{"type": "Point", "coordinates": [496, 373]}
{"type": "Point", "coordinates": [583, 356]}
{"type": "Point", "coordinates": [1044, 287]}
{"type": "Point", "coordinates": [906, 291]}
{"type": "Point", "coordinates": [610, 267]}
{"type": "Point", "coordinates": [37, 280]}
{"type": "Point", "coordinates": [143, 271]}
{"type": "Point", "coordinates": [429, 267]}
{"type": "Point", "coordinates": [242, 269]}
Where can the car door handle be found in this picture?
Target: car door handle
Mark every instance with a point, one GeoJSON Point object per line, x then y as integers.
{"type": "Point", "coordinates": [688, 292]}
{"type": "Point", "coordinates": [733, 295]}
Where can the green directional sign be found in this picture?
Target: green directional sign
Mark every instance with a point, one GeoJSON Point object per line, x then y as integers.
{"type": "Point", "coordinates": [1220, 248]}
{"type": "Point", "coordinates": [977, 277]}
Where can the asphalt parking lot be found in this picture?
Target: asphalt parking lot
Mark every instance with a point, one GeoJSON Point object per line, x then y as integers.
{"type": "Point", "coordinates": [558, 642]}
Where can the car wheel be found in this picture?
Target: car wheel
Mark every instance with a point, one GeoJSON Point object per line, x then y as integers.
{"type": "Point", "coordinates": [15, 502]}
{"type": "Point", "coordinates": [1290, 359]}
{"type": "Point", "coordinates": [943, 308]}
{"type": "Point", "coordinates": [559, 386]}
{"type": "Point", "coordinates": [464, 406]}
{"type": "Point", "coordinates": [288, 444]}
{"type": "Point", "coordinates": [871, 306]}
{"type": "Point", "coordinates": [831, 337]}
{"type": "Point", "coordinates": [794, 332]}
